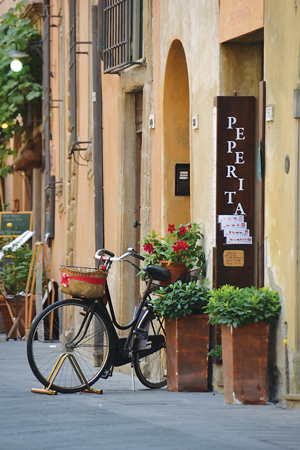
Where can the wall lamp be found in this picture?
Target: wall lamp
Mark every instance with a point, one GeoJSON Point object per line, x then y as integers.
{"type": "Point", "coordinates": [2, 133]}
{"type": "Point", "coordinates": [16, 65]}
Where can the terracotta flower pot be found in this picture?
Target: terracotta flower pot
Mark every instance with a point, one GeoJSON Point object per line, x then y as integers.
{"type": "Point", "coordinates": [245, 363]}
{"type": "Point", "coordinates": [187, 342]}
{"type": "Point", "coordinates": [176, 270]}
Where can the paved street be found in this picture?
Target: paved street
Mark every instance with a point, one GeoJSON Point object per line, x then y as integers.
{"type": "Point", "coordinates": [125, 419]}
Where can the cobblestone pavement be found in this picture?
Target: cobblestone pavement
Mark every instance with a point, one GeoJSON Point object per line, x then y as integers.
{"type": "Point", "coordinates": [125, 419]}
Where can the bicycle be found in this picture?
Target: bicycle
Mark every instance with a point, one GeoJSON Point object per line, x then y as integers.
{"type": "Point", "coordinates": [74, 342]}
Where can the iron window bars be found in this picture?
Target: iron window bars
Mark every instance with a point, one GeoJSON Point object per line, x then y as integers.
{"type": "Point", "coordinates": [122, 34]}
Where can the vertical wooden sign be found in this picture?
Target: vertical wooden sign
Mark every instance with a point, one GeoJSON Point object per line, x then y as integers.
{"type": "Point", "coordinates": [233, 190]}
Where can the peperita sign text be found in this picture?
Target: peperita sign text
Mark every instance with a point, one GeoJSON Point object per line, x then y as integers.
{"type": "Point", "coordinates": [233, 190]}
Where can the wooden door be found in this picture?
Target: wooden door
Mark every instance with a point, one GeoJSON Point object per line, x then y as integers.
{"type": "Point", "coordinates": [138, 162]}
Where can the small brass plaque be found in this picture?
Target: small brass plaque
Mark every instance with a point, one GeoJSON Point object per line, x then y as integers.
{"type": "Point", "coordinates": [233, 258]}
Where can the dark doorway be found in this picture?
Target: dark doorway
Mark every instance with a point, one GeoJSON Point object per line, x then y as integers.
{"type": "Point", "coordinates": [138, 164]}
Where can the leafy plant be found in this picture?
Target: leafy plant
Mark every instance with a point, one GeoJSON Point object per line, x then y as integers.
{"type": "Point", "coordinates": [15, 268]}
{"type": "Point", "coordinates": [17, 90]}
{"type": "Point", "coordinates": [180, 245]}
{"type": "Point", "coordinates": [181, 299]}
{"type": "Point", "coordinates": [216, 352]}
{"type": "Point", "coordinates": [235, 306]}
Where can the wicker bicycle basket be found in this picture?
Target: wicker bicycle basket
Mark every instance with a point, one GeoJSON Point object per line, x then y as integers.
{"type": "Point", "coordinates": [82, 281]}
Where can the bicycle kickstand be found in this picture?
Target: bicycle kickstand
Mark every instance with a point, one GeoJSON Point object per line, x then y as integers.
{"type": "Point", "coordinates": [57, 366]}
{"type": "Point", "coordinates": [132, 376]}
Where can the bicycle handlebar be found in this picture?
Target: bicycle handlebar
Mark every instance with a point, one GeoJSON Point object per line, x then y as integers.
{"type": "Point", "coordinates": [130, 252]}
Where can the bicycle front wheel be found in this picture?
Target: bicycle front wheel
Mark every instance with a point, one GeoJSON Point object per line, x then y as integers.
{"type": "Point", "coordinates": [150, 353]}
{"type": "Point", "coordinates": [70, 344]}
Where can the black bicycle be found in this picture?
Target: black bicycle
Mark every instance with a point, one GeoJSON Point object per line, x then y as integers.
{"type": "Point", "coordinates": [74, 342]}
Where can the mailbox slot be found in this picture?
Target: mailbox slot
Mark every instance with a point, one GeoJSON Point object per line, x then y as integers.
{"type": "Point", "coordinates": [182, 179]}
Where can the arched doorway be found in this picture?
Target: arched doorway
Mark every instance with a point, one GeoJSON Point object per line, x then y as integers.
{"type": "Point", "coordinates": [176, 133]}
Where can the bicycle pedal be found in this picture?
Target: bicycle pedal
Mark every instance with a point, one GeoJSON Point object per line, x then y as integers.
{"type": "Point", "coordinates": [107, 373]}
{"type": "Point", "coordinates": [141, 333]}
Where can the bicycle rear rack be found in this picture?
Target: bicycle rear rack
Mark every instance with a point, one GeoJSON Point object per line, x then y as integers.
{"type": "Point", "coordinates": [54, 372]}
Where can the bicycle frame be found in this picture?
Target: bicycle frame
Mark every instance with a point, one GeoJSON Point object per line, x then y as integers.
{"type": "Point", "coordinates": [85, 324]}
{"type": "Point", "coordinates": [125, 347]}
{"type": "Point", "coordinates": [123, 344]}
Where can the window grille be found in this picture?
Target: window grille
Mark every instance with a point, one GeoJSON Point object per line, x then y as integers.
{"type": "Point", "coordinates": [122, 34]}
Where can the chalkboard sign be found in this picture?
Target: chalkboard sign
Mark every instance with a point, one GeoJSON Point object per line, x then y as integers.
{"type": "Point", "coordinates": [20, 222]}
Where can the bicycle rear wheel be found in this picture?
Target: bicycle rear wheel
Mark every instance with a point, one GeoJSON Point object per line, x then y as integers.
{"type": "Point", "coordinates": [150, 354]}
{"type": "Point", "coordinates": [66, 336]}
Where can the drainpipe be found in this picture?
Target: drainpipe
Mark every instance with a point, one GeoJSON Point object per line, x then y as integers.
{"type": "Point", "coordinates": [97, 45]}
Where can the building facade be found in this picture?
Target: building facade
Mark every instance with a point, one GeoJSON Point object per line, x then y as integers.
{"type": "Point", "coordinates": [135, 93]}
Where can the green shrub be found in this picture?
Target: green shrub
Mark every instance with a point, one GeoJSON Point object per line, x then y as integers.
{"type": "Point", "coordinates": [15, 269]}
{"type": "Point", "coordinates": [235, 306]}
{"type": "Point", "coordinates": [216, 352]}
{"type": "Point", "coordinates": [181, 299]}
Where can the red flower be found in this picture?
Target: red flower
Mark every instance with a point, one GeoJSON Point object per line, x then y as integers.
{"type": "Point", "coordinates": [182, 230]}
{"type": "Point", "coordinates": [180, 245]}
{"type": "Point", "coordinates": [171, 228]}
{"type": "Point", "coordinates": [175, 248]}
{"type": "Point", "coordinates": [189, 226]}
{"type": "Point", "coordinates": [148, 248]}
{"type": "Point", "coordinates": [184, 245]}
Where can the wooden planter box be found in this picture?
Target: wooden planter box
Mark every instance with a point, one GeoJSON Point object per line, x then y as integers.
{"type": "Point", "coordinates": [7, 321]}
{"type": "Point", "coordinates": [245, 363]}
{"type": "Point", "coordinates": [187, 346]}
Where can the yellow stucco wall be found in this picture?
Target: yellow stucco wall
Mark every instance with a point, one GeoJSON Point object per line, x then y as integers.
{"type": "Point", "coordinates": [176, 133]}
{"type": "Point", "coordinates": [5, 5]}
{"type": "Point", "coordinates": [282, 37]}
{"type": "Point", "coordinates": [197, 24]}
{"type": "Point", "coordinates": [233, 69]}
{"type": "Point", "coordinates": [239, 17]}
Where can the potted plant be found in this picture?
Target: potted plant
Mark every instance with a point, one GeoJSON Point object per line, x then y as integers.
{"type": "Point", "coordinates": [187, 333]}
{"type": "Point", "coordinates": [217, 374]}
{"type": "Point", "coordinates": [179, 251]}
{"type": "Point", "coordinates": [14, 271]}
{"type": "Point", "coordinates": [15, 268]}
{"type": "Point", "coordinates": [244, 315]}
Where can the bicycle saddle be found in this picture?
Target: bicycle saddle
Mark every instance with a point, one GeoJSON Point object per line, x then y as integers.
{"type": "Point", "coordinates": [158, 273]}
